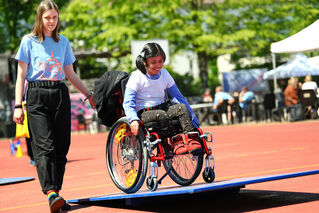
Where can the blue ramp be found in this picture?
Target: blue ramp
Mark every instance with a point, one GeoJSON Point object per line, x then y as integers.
{"type": "Point", "coordinates": [4, 181]}
{"type": "Point", "coordinates": [178, 190]}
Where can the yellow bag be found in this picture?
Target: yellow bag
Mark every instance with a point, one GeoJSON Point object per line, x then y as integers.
{"type": "Point", "coordinates": [22, 131]}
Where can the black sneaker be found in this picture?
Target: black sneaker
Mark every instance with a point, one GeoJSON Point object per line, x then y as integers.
{"type": "Point", "coordinates": [66, 206]}
{"type": "Point", "coordinates": [56, 202]}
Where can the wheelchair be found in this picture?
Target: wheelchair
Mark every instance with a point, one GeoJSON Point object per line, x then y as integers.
{"type": "Point", "coordinates": [129, 157]}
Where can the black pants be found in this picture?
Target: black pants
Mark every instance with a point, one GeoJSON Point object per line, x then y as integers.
{"type": "Point", "coordinates": [29, 148]}
{"type": "Point", "coordinates": [164, 116]}
{"type": "Point", "coordinates": [49, 119]}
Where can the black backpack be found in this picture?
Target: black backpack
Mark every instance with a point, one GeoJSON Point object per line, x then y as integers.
{"type": "Point", "coordinates": [108, 96]}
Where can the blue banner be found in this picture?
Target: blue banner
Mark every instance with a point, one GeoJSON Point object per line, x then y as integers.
{"type": "Point", "coordinates": [253, 78]}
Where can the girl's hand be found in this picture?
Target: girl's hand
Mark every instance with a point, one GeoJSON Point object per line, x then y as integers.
{"type": "Point", "coordinates": [134, 127]}
{"type": "Point", "coordinates": [18, 116]}
{"type": "Point", "coordinates": [92, 103]}
{"type": "Point", "coordinates": [89, 97]}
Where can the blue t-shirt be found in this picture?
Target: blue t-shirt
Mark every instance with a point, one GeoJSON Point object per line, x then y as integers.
{"type": "Point", "coordinates": [45, 60]}
{"type": "Point", "coordinates": [248, 96]}
{"type": "Point", "coordinates": [221, 95]}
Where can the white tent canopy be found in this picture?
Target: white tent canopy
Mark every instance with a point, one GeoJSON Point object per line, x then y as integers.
{"type": "Point", "coordinates": [299, 66]}
{"type": "Point", "coordinates": [303, 41]}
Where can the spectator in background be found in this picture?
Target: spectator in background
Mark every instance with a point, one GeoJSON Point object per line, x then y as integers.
{"type": "Point", "coordinates": [207, 112]}
{"type": "Point", "coordinates": [236, 109]}
{"type": "Point", "coordinates": [207, 96]}
{"type": "Point", "coordinates": [221, 98]}
{"type": "Point", "coordinates": [282, 85]}
{"type": "Point", "coordinates": [244, 101]}
{"type": "Point", "coordinates": [291, 92]}
{"type": "Point", "coordinates": [245, 97]}
{"type": "Point", "coordinates": [294, 109]}
{"type": "Point", "coordinates": [309, 84]}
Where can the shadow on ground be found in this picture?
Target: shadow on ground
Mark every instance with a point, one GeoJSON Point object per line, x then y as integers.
{"type": "Point", "coordinates": [83, 159]}
{"type": "Point", "coordinates": [213, 201]}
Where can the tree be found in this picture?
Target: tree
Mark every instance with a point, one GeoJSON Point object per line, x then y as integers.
{"type": "Point", "coordinates": [16, 19]}
{"type": "Point", "coordinates": [271, 21]}
{"type": "Point", "coordinates": [14, 15]}
{"type": "Point", "coordinates": [241, 28]}
{"type": "Point", "coordinates": [209, 30]}
{"type": "Point", "coordinates": [110, 26]}
{"type": "Point", "coordinates": [188, 25]}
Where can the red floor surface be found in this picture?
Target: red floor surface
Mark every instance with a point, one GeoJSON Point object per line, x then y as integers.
{"type": "Point", "coordinates": [239, 150]}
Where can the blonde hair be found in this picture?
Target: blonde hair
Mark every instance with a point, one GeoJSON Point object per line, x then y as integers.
{"type": "Point", "coordinates": [38, 24]}
{"type": "Point", "coordinates": [293, 81]}
{"type": "Point", "coordinates": [308, 78]}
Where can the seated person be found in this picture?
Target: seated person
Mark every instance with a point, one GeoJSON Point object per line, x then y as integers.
{"type": "Point", "coordinates": [245, 97]}
{"type": "Point", "coordinates": [309, 84]}
{"type": "Point", "coordinates": [220, 98]}
{"type": "Point", "coordinates": [207, 97]}
{"type": "Point", "coordinates": [236, 109]}
{"type": "Point", "coordinates": [144, 99]}
{"type": "Point", "coordinates": [292, 100]}
{"type": "Point", "coordinates": [291, 92]}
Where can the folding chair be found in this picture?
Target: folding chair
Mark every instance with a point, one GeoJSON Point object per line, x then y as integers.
{"type": "Point", "coordinates": [309, 102]}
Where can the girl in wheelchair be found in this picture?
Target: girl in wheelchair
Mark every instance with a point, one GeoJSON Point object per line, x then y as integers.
{"type": "Point", "coordinates": [144, 100]}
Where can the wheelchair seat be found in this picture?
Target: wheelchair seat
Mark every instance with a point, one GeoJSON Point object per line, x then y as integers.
{"type": "Point", "coordinates": [155, 127]}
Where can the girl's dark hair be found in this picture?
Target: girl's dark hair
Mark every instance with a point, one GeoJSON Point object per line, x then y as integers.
{"type": "Point", "coordinates": [149, 50]}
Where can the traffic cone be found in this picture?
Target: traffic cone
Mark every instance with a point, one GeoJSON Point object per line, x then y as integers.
{"type": "Point", "coordinates": [12, 147]}
{"type": "Point", "coordinates": [19, 150]}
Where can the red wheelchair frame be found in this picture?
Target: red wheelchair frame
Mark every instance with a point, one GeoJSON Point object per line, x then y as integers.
{"type": "Point", "coordinates": [128, 157]}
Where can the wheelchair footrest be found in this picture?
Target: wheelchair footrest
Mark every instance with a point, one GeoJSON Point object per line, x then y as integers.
{"type": "Point", "coordinates": [208, 136]}
{"type": "Point", "coordinates": [210, 161]}
{"type": "Point", "coordinates": [153, 169]}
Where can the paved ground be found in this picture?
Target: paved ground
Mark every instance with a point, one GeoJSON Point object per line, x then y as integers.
{"type": "Point", "coordinates": [240, 151]}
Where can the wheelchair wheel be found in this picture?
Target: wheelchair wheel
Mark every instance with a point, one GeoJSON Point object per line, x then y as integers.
{"type": "Point", "coordinates": [126, 157]}
{"type": "Point", "coordinates": [185, 168]}
{"type": "Point", "coordinates": [208, 175]}
{"type": "Point", "coordinates": [151, 183]}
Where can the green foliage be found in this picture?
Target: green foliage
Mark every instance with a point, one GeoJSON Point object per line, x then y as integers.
{"type": "Point", "coordinates": [186, 83]}
{"type": "Point", "coordinates": [16, 20]}
{"type": "Point", "coordinates": [241, 28]}
{"type": "Point", "coordinates": [238, 27]}
{"type": "Point", "coordinates": [91, 68]}
{"type": "Point", "coordinates": [213, 79]}
{"type": "Point", "coordinates": [102, 25]}
{"type": "Point", "coordinates": [14, 15]}
{"type": "Point", "coordinates": [3, 40]}
{"type": "Point", "coordinates": [271, 21]}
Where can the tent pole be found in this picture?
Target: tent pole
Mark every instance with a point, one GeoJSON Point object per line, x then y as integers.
{"type": "Point", "coordinates": [275, 78]}
{"type": "Point", "coordinates": [274, 68]}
